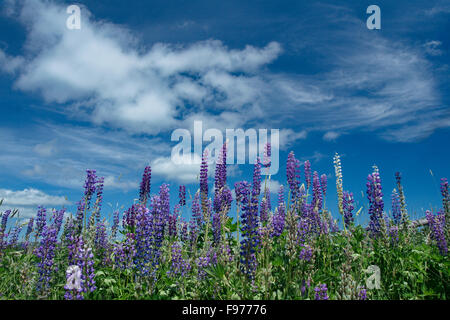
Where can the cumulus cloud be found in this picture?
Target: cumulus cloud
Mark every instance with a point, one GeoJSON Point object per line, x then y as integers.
{"type": "Point", "coordinates": [186, 170]}
{"type": "Point", "coordinates": [31, 197]}
{"type": "Point", "coordinates": [27, 200]}
{"type": "Point", "coordinates": [107, 78]}
{"type": "Point", "coordinates": [106, 75]}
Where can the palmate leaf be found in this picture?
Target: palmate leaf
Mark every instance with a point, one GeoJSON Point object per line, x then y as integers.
{"type": "Point", "coordinates": [216, 271]}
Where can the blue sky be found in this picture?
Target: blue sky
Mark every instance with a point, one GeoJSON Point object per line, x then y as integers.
{"type": "Point", "coordinates": [108, 96]}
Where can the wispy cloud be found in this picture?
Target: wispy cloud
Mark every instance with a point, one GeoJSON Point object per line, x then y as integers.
{"type": "Point", "coordinates": [433, 47]}
{"type": "Point", "coordinates": [441, 7]}
{"type": "Point", "coordinates": [331, 135]}
{"type": "Point", "coordinates": [115, 155]}
{"type": "Point", "coordinates": [371, 84]}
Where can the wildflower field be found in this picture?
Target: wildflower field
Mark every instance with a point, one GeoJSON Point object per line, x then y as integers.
{"type": "Point", "coordinates": [295, 250]}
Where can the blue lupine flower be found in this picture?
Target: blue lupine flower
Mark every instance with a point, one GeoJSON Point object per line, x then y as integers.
{"type": "Point", "coordinates": [144, 191]}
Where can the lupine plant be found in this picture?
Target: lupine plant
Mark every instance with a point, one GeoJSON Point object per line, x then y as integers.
{"type": "Point", "coordinates": [233, 246]}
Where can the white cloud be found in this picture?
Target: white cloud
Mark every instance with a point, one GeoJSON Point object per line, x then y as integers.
{"type": "Point", "coordinates": [273, 185]}
{"type": "Point", "coordinates": [115, 155]}
{"type": "Point", "coordinates": [185, 168]}
{"type": "Point", "coordinates": [288, 137]}
{"type": "Point", "coordinates": [27, 200]}
{"type": "Point", "coordinates": [45, 149]}
{"type": "Point", "coordinates": [88, 67]}
{"type": "Point", "coordinates": [331, 135]}
{"type": "Point", "coordinates": [104, 74]}
{"type": "Point", "coordinates": [439, 8]}
{"type": "Point", "coordinates": [315, 157]}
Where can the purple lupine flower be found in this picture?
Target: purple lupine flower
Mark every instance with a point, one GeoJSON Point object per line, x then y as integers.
{"type": "Point", "coordinates": [28, 232]}
{"type": "Point", "coordinates": [317, 226]}
{"type": "Point", "coordinates": [325, 225]}
{"type": "Point", "coordinates": [445, 195]}
{"type": "Point", "coordinates": [193, 232]}
{"type": "Point", "coordinates": [265, 206]}
{"type": "Point", "coordinates": [317, 199]}
{"type": "Point", "coordinates": [41, 220]}
{"type": "Point", "coordinates": [267, 155]}
{"type": "Point", "coordinates": [348, 206]}
{"type": "Point", "coordinates": [278, 220]}
{"type": "Point", "coordinates": [46, 254]}
{"type": "Point", "coordinates": [437, 227]}
{"type": "Point", "coordinates": [227, 199]}
{"type": "Point", "coordinates": [244, 193]}
{"type": "Point", "coordinates": [71, 240]}
{"type": "Point", "coordinates": [184, 234]}
{"type": "Point", "coordinates": [306, 253]}
{"type": "Point", "coordinates": [144, 191]}
{"type": "Point", "coordinates": [239, 189]}
{"type": "Point", "coordinates": [29, 227]}
{"type": "Point", "coordinates": [129, 217]}
{"type": "Point", "coordinates": [362, 294]}
{"type": "Point", "coordinates": [125, 252]}
{"type": "Point", "coordinates": [98, 202]}
{"type": "Point", "coordinates": [143, 237]}
{"type": "Point", "coordinates": [217, 228]}
{"type": "Point", "coordinates": [58, 219]}
{"type": "Point", "coordinates": [5, 217]}
{"type": "Point", "coordinates": [204, 180]}
{"type": "Point", "coordinates": [307, 173]}
{"type": "Point", "coordinates": [376, 204]}
{"type": "Point", "coordinates": [293, 175]}
{"type": "Point", "coordinates": [444, 188]}
{"type": "Point", "coordinates": [209, 209]}
{"type": "Point", "coordinates": [84, 259]}
{"type": "Point", "coordinates": [101, 240]}
{"type": "Point", "coordinates": [15, 236]}
{"type": "Point", "coordinates": [182, 195]}
{"type": "Point", "coordinates": [249, 229]}
{"type": "Point", "coordinates": [305, 284]}
{"type": "Point", "coordinates": [220, 179]}
{"type": "Point", "coordinates": [204, 262]}
{"type": "Point", "coordinates": [393, 234]}
{"type": "Point", "coordinates": [321, 292]}
{"type": "Point", "coordinates": [81, 208]}
{"type": "Point", "coordinates": [396, 208]}
{"type": "Point", "coordinates": [303, 230]}
{"type": "Point", "coordinates": [89, 186]}
{"type": "Point", "coordinates": [172, 223]}
{"type": "Point", "coordinates": [333, 226]}
{"type": "Point", "coordinates": [158, 222]}
{"type": "Point", "coordinates": [196, 212]}
{"type": "Point", "coordinates": [256, 186]}
{"type": "Point", "coordinates": [179, 267]}
{"type": "Point", "coordinates": [323, 184]}
{"type": "Point", "coordinates": [164, 202]}
{"type": "Point", "coordinates": [115, 225]}
{"type": "Point", "coordinates": [3, 235]}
